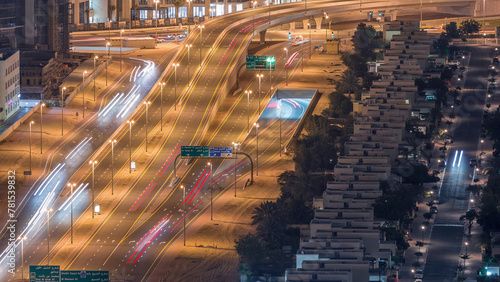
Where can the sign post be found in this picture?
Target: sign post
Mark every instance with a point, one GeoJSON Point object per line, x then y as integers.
{"type": "Point", "coordinates": [195, 151]}
{"type": "Point", "coordinates": [260, 62]}
{"type": "Point", "coordinates": [222, 152]}
{"type": "Point", "coordinates": [44, 273]}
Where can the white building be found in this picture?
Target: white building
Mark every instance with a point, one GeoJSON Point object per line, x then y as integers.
{"type": "Point", "coordinates": [9, 83]}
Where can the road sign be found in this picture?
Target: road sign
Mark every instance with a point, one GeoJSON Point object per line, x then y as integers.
{"type": "Point", "coordinates": [44, 273]}
{"type": "Point", "coordinates": [224, 152]}
{"type": "Point", "coordinates": [195, 151]}
{"type": "Point", "coordinates": [261, 62]}
{"type": "Point", "coordinates": [84, 276]}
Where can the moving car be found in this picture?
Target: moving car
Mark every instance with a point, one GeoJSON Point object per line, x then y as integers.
{"type": "Point", "coordinates": [434, 209]}
{"type": "Point", "coordinates": [419, 274]}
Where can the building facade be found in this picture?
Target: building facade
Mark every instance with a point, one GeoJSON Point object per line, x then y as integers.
{"type": "Point", "coordinates": [9, 83]}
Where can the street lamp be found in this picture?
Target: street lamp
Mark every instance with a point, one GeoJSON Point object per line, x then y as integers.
{"type": "Point", "coordinates": [184, 203]}
{"type": "Point", "coordinates": [484, 35]}
{"type": "Point", "coordinates": [269, 4]}
{"type": "Point", "coordinates": [260, 76]}
{"type": "Point", "coordinates": [95, 58]}
{"type": "Point", "coordinates": [48, 235]}
{"type": "Point", "coordinates": [422, 233]}
{"type": "Point", "coordinates": [421, 8]}
{"type": "Point", "coordinates": [248, 92]}
{"type": "Point", "coordinates": [147, 107]}
{"type": "Point", "coordinates": [107, 61]}
{"type": "Point", "coordinates": [285, 65]}
{"type": "Point", "coordinates": [71, 186]}
{"type": "Point", "coordinates": [257, 132]}
{"type": "Point", "coordinates": [280, 109]}
{"type": "Point", "coordinates": [62, 110]}
{"type": "Point", "coordinates": [93, 185]}
{"type": "Point", "coordinates": [270, 60]}
{"type": "Point", "coordinates": [31, 122]}
{"type": "Point", "coordinates": [112, 164]}
{"type": "Point", "coordinates": [83, 93]}
{"type": "Point", "coordinates": [175, 85]}
{"type": "Point", "coordinates": [130, 122]}
{"type": "Point", "coordinates": [466, 244]}
{"type": "Point", "coordinates": [326, 30]}
{"type": "Point", "coordinates": [161, 105]}
{"type": "Point", "coordinates": [189, 48]}
{"type": "Point", "coordinates": [121, 46]}
{"type": "Point", "coordinates": [22, 255]}
{"type": "Point", "coordinates": [41, 125]}
{"type": "Point", "coordinates": [211, 192]}
{"type": "Point", "coordinates": [310, 43]}
{"type": "Point", "coordinates": [253, 17]}
{"type": "Point", "coordinates": [189, 8]}
{"type": "Point", "coordinates": [156, 17]}
{"type": "Point", "coordinates": [235, 146]}
{"type": "Point", "coordinates": [201, 39]}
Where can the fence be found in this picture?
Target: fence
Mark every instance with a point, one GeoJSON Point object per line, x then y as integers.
{"type": "Point", "coordinates": [20, 121]}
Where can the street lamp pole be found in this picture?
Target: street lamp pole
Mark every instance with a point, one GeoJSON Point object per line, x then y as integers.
{"type": "Point", "coordinates": [184, 203]}
{"type": "Point", "coordinates": [48, 235]}
{"type": "Point", "coordinates": [235, 145]}
{"type": "Point", "coordinates": [41, 125]}
{"type": "Point", "coordinates": [156, 17]}
{"type": "Point", "coordinates": [189, 48]}
{"type": "Point", "coordinates": [257, 132]}
{"type": "Point", "coordinates": [121, 46]}
{"type": "Point", "coordinates": [211, 192]}
{"type": "Point", "coordinates": [281, 110]}
{"type": "Point", "coordinates": [107, 61]}
{"type": "Point", "coordinates": [248, 92]}
{"type": "Point", "coordinates": [95, 58]}
{"type": "Point", "coordinates": [422, 233]}
{"type": "Point", "coordinates": [112, 164]}
{"type": "Point", "coordinates": [285, 65]}
{"type": "Point", "coordinates": [310, 43]}
{"type": "Point", "coordinates": [326, 30]}
{"type": "Point", "coordinates": [31, 122]}
{"type": "Point", "coordinates": [71, 186]}
{"type": "Point", "coordinates": [189, 8]}
{"type": "Point", "coordinates": [201, 39]}
{"type": "Point", "coordinates": [93, 185]}
{"type": "Point", "coordinates": [22, 256]}
{"type": "Point", "coordinates": [62, 111]}
{"type": "Point", "coordinates": [83, 94]}
{"type": "Point", "coordinates": [130, 122]}
{"type": "Point", "coordinates": [147, 107]}
{"type": "Point", "coordinates": [175, 85]}
{"type": "Point", "coordinates": [161, 105]}
{"type": "Point", "coordinates": [260, 77]}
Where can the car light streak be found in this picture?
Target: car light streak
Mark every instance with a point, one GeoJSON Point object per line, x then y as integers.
{"type": "Point", "coordinates": [185, 216]}
{"type": "Point", "coordinates": [127, 108]}
{"type": "Point", "coordinates": [201, 177]}
{"type": "Point", "coordinates": [199, 188]}
{"type": "Point", "coordinates": [77, 148]}
{"type": "Point", "coordinates": [148, 238]}
{"type": "Point", "coordinates": [113, 102]}
{"type": "Point", "coordinates": [455, 159]}
{"type": "Point", "coordinates": [48, 179]}
{"type": "Point", "coordinates": [290, 60]}
{"type": "Point", "coordinates": [67, 203]}
{"type": "Point", "coordinates": [460, 159]}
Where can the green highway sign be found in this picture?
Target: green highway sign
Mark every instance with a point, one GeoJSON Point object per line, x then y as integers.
{"type": "Point", "coordinates": [84, 276]}
{"type": "Point", "coordinates": [44, 273]}
{"type": "Point", "coordinates": [261, 62]}
{"type": "Point", "coordinates": [195, 151]}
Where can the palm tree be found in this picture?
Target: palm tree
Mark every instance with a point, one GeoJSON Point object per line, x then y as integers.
{"type": "Point", "coordinates": [415, 144]}
{"type": "Point", "coordinates": [178, 4]}
{"type": "Point", "coordinates": [468, 218]}
{"type": "Point", "coordinates": [349, 82]}
{"type": "Point", "coordinates": [266, 211]}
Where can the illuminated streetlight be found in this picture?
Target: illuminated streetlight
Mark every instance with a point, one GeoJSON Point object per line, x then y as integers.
{"type": "Point", "coordinates": [184, 203]}
{"type": "Point", "coordinates": [211, 191]}
{"type": "Point", "coordinates": [93, 185]}
{"type": "Point", "coordinates": [189, 48]}
{"type": "Point", "coordinates": [121, 46]}
{"type": "Point", "coordinates": [95, 58]}
{"type": "Point", "coordinates": [62, 110]}
{"type": "Point", "coordinates": [113, 142]}
{"type": "Point", "coordinates": [130, 122]}
{"type": "Point", "coordinates": [161, 105]}
{"type": "Point", "coordinates": [156, 16]}
{"type": "Point", "coordinates": [175, 85]}
{"type": "Point", "coordinates": [107, 61]}
{"type": "Point", "coordinates": [235, 146]}
{"type": "Point", "coordinates": [260, 76]}
{"type": "Point", "coordinates": [41, 125]}
{"type": "Point", "coordinates": [286, 64]}
{"type": "Point", "coordinates": [257, 132]}
{"type": "Point", "coordinates": [71, 186]}
{"type": "Point", "coordinates": [48, 235]}
{"type": "Point", "coordinates": [22, 255]}
{"type": "Point", "coordinates": [83, 94]}
{"type": "Point", "coordinates": [147, 107]}
{"type": "Point", "coordinates": [31, 123]}
{"type": "Point", "coordinates": [248, 92]}
{"type": "Point", "coordinates": [201, 39]}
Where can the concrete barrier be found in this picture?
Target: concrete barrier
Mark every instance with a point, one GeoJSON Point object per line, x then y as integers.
{"type": "Point", "coordinates": [13, 127]}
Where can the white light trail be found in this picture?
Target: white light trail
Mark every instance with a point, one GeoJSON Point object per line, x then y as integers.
{"type": "Point", "coordinates": [48, 179]}
{"type": "Point", "coordinates": [460, 159]}
{"type": "Point", "coordinates": [112, 104]}
{"type": "Point", "coordinates": [455, 159]}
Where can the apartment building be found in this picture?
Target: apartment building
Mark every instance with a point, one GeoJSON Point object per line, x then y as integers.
{"type": "Point", "coordinates": [9, 83]}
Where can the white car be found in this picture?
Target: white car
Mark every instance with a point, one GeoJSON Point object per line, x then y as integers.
{"type": "Point", "coordinates": [454, 63]}
{"type": "Point", "coordinates": [419, 274]}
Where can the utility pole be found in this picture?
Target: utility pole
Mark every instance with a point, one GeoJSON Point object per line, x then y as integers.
{"type": "Point", "coordinates": [112, 164]}
{"type": "Point", "coordinates": [41, 126]}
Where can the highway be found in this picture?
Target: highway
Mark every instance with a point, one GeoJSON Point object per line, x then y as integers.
{"type": "Point", "coordinates": [141, 216]}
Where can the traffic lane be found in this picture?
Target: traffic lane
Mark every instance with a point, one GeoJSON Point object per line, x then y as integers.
{"type": "Point", "coordinates": [443, 256]}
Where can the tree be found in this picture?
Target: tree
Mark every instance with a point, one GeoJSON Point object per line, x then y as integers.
{"type": "Point", "coordinates": [419, 244]}
{"type": "Point", "coordinates": [349, 83]}
{"type": "Point", "coordinates": [468, 218]}
{"type": "Point", "coordinates": [452, 30]}
{"type": "Point", "coordinates": [178, 4]}
{"type": "Point", "coordinates": [340, 105]}
{"type": "Point", "coordinates": [427, 216]}
{"type": "Point", "coordinates": [363, 40]}
{"type": "Point", "coordinates": [251, 250]}
{"type": "Point", "coordinates": [266, 211]}
{"type": "Point", "coordinates": [441, 44]}
{"type": "Point", "coordinates": [469, 27]}
{"type": "Point", "coordinates": [475, 190]}
{"type": "Point", "coordinates": [491, 126]}
{"type": "Point", "coordinates": [355, 62]}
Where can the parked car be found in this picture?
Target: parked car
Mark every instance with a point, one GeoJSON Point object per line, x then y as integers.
{"type": "Point", "coordinates": [442, 163]}
{"type": "Point", "coordinates": [495, 61]}
{"type": "Point", "coordinates": [491, 67]}
{"type": "Point", "coordinates": [454, 63]}
{"type": "Point", "coordinates": [419, 274]}
{"type": "Point", "coordinates": [434, 209]}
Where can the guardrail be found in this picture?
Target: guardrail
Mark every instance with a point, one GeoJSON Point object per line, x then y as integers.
{"type": "Point", "coordinates": [14, 126]}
